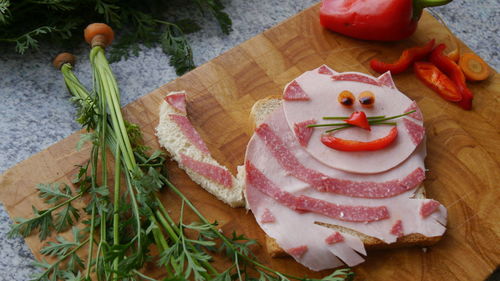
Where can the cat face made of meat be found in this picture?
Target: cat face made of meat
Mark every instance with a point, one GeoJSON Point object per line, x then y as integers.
{"type": "Point", "coordinates": [314, 95]}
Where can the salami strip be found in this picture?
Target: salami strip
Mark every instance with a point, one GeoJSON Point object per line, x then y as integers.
{"type": "Point", "coordinates": [325, 70]}
{"type": "Point", "coordinates": [416, 131]}
{"type": "Point", "coordinates": [294, 92]}
{"type": "Point", "coordinates": [297, 252]}
{"type": "Point", "coordinates": [189, 131]}
{"type": "Point", "coordinates": [386, 80]}
{"type": "Point", "coordinates": [341, 212]}
{"type": "Point", "coordinates": [304, 203]}
{"type": "Point", "coordinates": [209, 171]}
{"type": "Point", "coordinates": [397, 228]}
{"type": "Point", "coordinates": [302, 132]}
{"type": "Point", "coordinates": [353, 77]}
{"type": "Point", "coordinates": [267, 217]}
{"type": "Point", "coordinates": [417, 114]}
{"type": "Point", "coordinates": [334, 238]}
{"type": "Point", "coordinates": [324, 183]}
{"type": "Point", "coordinates": [428, 208]}
{"type": "Point", "coordinates": [177, 101]}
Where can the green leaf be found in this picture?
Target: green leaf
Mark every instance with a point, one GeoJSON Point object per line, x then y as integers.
{"type": "Point", "coordinates": [54, 193]}
{"type": "Point", "coordinates": [85, 138]}
{"type": "Point", "coordinates": [4, 12]}
{"type": "Point", "coordinates": [188, 26]}
{"type": "Point", "coordinates": [70, 276]}
{"type": "Point", "coordinates": [66, 218]}
{"type": "Point", "coordinates": [175, 44]}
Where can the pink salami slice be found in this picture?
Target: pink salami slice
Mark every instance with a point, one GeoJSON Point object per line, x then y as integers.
{"type": "Point", "coordinates": [416, 131]}
{"type": "Point", "coordinates": [302, 132]}
{"type": "Point", "coordinates": [324, 183]}
{"type": "Point", "coordinates": [353, 77]}
{"type": "Point", "coordinates": [267, 217]}
{"type": "Point", "coordinates": [325, 70]}
{"type": "Point", "coordinates": [341, 212]}
{"type": "Point", "coordinates": [297, 252]}
{"type": "Point", "coordinates": [417, 114]}
{"type": "Point", "coordinates": [189, 131]}
{"type": "Point", "coordinates": [177, 101]}
{"type": "Point", "coordinates": [397, 228]}
{"type": "Point", "coordinates": [334, 238]}
{"type": "Point", "coordinates": [209, 171]}
{"type": "Point", "coordinates": [305, 203]}
{"type": "Point", "coordinates": [428, 208]}
{"type": "Point", "coordinates": [386, 80]}
{"type": "Point", "coordinates": [294, 92]}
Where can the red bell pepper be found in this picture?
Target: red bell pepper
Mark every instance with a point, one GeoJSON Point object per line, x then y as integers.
{"type": "Point", "coordinates": [352, 145]}
{"type": "Point", "coordinates": [408, 57]}
{"type": "Point", "coordinates": [436, 80]}
{"type": "Point", "coordinates": [358, 118]}
{"type": "Point", "coordinates": [383, 20]}
{"type": "Point", "coordinates": [450, 68]}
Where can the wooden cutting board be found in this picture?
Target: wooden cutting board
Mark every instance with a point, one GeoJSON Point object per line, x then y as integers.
{"type": "Point", "coordinates": [463, 146]}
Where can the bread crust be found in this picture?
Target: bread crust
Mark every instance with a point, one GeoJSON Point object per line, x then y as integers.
{"type": "Point", "coordinates": [259, 111]}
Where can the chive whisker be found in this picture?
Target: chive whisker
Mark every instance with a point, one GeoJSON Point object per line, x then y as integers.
{"type": "Point", "coordinates": [345, 117]}
{"type": "Point", "coordinates": [326, 125]}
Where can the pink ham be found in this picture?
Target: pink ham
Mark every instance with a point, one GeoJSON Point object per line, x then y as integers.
{"type": "Point", "coordinates": [386, 80]}
{"type": "Point", "coordinates": [428, 208]}
{"type": "Point", "coordinates": [354, 77]}
{"type": "Point", "coordinates": [336, 237]}
{"type": "Point", "coordinates": [322, 91]}
{"type": "Point", "coordinates": [267, 217]}
{"type": "Point", "coordinates": [397, 228]}
{"type": "Point", "coordinates": [189, 131]}
{"type": "Point", "coordinates": [297, 252]}
{"type": "Point", "coordinates": [302, 132]}
{"type": "Point", "coordinates": [177, 101]}
{"type": "Point", "coordinates": [416, 131]}
{"type": "Point", "coordinates": [209, 171]}
{"type": "Point", "coordinates": [417, 114]}
{"type": "Point", "coordinates": [322, 182]}
{"type": "Point", "coordinates": [294, 92]}
{"type": "Point", "coordinates": [325, 70]}
{"type": "Point", "coordinates": [305, 203]}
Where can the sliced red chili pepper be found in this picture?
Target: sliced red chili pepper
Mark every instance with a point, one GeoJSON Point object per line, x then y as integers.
{"type": "Point", "coordinates": [352, 145]}
{"type": "Point", "coordinates": [358, 118]}
{"type": "Point", "coordinates": [436, 80]}
{"type": "Point", "coordinates": [450, 68]}
{"type": "Point", "coordinates": [408, 57]}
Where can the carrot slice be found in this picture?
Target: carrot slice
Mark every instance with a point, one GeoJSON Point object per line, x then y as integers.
{"type": "Point", "coordinates": [473, 67]}
{"type": "Point", "coordinates": [95, 29]}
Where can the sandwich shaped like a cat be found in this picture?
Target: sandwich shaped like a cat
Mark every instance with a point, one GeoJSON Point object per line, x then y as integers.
{"type": "Point", "coordinates": [318, 191]}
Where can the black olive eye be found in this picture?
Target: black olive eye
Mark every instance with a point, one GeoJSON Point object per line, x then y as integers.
{"type": "Point", "coordinates": [366, 99]}
{"type": "Point", "coordinates": [346, 98]}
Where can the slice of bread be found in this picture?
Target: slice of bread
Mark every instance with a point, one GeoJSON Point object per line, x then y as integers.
{"type": "Point", "coordinates": [175, 142]}
{"type": "Point", "coordinates": [260, 110]}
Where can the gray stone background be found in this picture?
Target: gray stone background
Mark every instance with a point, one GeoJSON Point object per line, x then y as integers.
{"type": "Point", "coordinates": [35, 112]}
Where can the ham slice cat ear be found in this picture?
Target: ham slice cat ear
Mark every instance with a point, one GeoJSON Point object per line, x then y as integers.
{"type": "Point", "coordinates": [294, 181]}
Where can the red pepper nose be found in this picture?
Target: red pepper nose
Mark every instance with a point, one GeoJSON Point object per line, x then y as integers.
{"type": "Point", "coordinates": [358, 119]}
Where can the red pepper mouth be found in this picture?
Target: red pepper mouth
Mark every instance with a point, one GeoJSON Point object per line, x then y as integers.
{"type": "Point", "coordinates": [354, 145]}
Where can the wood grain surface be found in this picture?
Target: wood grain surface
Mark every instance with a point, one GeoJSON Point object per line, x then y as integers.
{"type": "Point", "coordinates": [463, 146]}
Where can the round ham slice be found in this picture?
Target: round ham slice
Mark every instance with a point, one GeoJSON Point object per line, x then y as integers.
{"type": "Point", "coordinates": [322, 91]}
